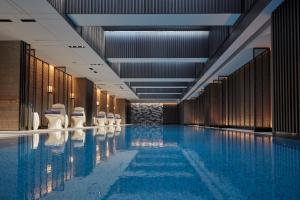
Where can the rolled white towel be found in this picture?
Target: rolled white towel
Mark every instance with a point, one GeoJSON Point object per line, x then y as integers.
{"type": "Point", "coordinates": [36, 121]}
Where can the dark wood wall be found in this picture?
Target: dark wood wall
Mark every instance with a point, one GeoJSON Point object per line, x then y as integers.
{"type": "Point", "coordinates": [10, 62]}
{"type": "Point", "coordinates": [286, 62]}
{"type": "Point", "coordinates": [241, 100]}
{"type": "Point", "coordinates": [121, 109]}
{"type": "Point", "coordinates": [25, 81]}
{"type": "Point", "coordinates": [170, 114]}
{"type": "Point", "coordinates": [84, 97]}
{"type": "Point", "coordinates": [103, 101]}
{"type": "Point", "coordinates": [42, 76]}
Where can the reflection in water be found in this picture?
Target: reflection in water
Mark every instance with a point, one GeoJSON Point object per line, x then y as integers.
{"type": "Point", "coordinates": [188, 162]}
{"type": "Point", "coordinates": [54, 160]}
{"type": "Point", "coordinates": [152, 138]}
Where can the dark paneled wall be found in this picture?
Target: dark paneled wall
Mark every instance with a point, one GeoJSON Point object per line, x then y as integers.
{"type": "Point", "coordinates": [241, 100]}
{"type": "Point", "coordinates": [186, 110]}
{"type": "Point", "coordinates": [84, 90]}
{"type": "Point", "coordinates": [170, 114]}
{"type": "Point", "coordinates": [43, 76]}
{"type": "Point", "coordinates": [103, 101]}
{"type": "Point", "coordinates": [286, 62]}
{"type": "Point", "coordinates": [10, 65]}
{"type": "Point", "coordinates": [34, 76]}
{"type": "Point", "coordinates": [121, 109]}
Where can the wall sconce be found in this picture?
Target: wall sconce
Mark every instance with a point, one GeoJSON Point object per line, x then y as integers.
{"type": "Point", "coordinates": [72, 95]}
{"type": "Point", "coordinates": [107, 106]}
{"type": "Point", "coordinates": [50, 89]}
{"type": "Point", "coordinates": [97, 103]}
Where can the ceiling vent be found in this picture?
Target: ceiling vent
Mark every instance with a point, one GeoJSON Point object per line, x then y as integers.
{"type": "Point", "coordinates": [5, 20]}
{"type": "Point", "coordinates": [28, 20]}
{"type": "Point", "coordinates": [96, 64]}
{"type": "Point", "coordinates": [76, 46]}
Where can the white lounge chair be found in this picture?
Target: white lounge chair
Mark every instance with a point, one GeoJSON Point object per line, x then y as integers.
{"type": "Point", "coordinates": [100, 133]}
{"type": "Point", "coordinates": [110, 119]}
{"type": "Point", "coordinates": [35, 121]}
{"type": "Point", "coordinates": [56, 141]}
{"type": "Point", "coordinates": [118, 119]}
{"type": "Point", "coordinates": [56, 116]}
{"type": "Point", "coordinates": [101, 130]}
{"type": "Point", "coordinates": [110, 131]}
{"type": "Point", "coordinates": [78, 138]}
{"type": "Point", "coordinates": [101, 119]}
{"type": "Point", "coordinates": [78, 117]}
{"type": "Point", "coordinates": [118, 130]}
{"type": "Point", "coordinates": [35, 140]}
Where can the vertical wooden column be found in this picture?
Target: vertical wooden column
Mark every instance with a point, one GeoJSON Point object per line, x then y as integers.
{"type": "Point", "coordinates": [286, 68]}
{"type": "Point", "coordinates": [84, 90]}
{"type": "Point", "coordinates": [111, 105]}
{"type": "Point", "coordinates": [10, 85]}
{"type": "Point", "coordinates": [103, 101]}
{"type": "Point", "coordinates": [98, 94]}
{"type": "Point", "coordinates": [121, 109]}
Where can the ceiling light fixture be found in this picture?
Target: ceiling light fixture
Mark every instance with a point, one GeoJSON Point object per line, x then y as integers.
{"type": "Point", "coordinates": [76, 47]}
{"type": "Point", "coordinates": [28, 20]}
{"type": "Point", "coordinates": [5, 20]}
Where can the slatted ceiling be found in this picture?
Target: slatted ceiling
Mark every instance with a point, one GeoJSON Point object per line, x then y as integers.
{"type": "Point", "coordinates": [147, 7]}
{"type": "Point", "coordinates": [159, 90]}
{"type": "Point", "coordinates": [59, 5]}
{"type": "Point", "coordinates": [217, 36]}
{"type": "Point", "coordinates": [159, 96]}
{"type": "Point", "coordinates": [157, 84]}
{"type": "Point", "coordinates": [247, 4]}
{"type": "Point", "coordinates": [286, 54]}
{"type": "Point", "coordinates": [158, 70]}
{"type": "Point", "coordinates": [94, 36]}
{"type": "Point", "coordinates": [156, 44]}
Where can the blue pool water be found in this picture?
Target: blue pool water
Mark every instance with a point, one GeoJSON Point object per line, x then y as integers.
{"type": "Point", "coordinates": [149, 162]}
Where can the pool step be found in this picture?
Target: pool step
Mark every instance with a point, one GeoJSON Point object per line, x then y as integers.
{"type": "Point", "coordinates": [158, 173]}
{"type": "Point", "coordinates": [154, 195]}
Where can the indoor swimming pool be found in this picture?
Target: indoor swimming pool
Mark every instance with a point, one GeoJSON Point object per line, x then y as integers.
{"type": "Point", "coordinates": [149, 162]}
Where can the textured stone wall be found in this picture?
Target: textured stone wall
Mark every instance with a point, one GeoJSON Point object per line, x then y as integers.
{"type": "Point", "coordinates": [146, 113]}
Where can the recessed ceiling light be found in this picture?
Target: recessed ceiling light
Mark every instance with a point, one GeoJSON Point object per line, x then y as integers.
{"type": "Point", "coordinates": [91, 68]}
{"type": "Point", "coordinates": [28, 20]}
{"type": "Point", "coordinates": [95, 72]}
{"type": "Point", "coordinates": [76, 46]}
{"type": "Point", "coordinates": [5, 20]}
{"type": "Point", "coordinates": [96, 64]}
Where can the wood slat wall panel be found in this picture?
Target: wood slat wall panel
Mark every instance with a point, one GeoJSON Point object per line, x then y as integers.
{"type": "Point", "coordinates": [39, 88]}
{"type": "Point", "coordinates": [84, 95]}
{"type": "Point", "coordinates": [9, 85]}
{"type": "Point", "coordinates": [241, 100]}
{"type": "Point", "coordinates": [286, 72]}
{"type": "Point", "coordinates": [121, 109]}
{"type": "Point", "coordinates": [45, 99]}
{"type": "Point", "coordinates": [103, 102]}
